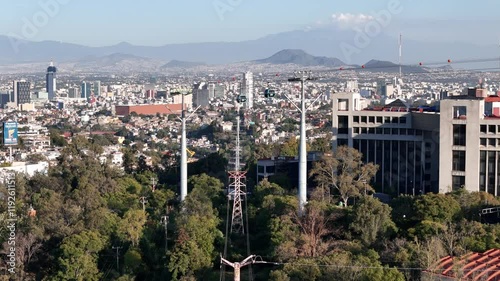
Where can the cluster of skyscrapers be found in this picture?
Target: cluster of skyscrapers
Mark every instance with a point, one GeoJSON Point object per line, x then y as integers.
{"type": "Point", "coordinates": [22, 97]}
{"type": "Point", "coordinates": [89, 89]}
{"type": "Point", "coordinates": [204, 92]}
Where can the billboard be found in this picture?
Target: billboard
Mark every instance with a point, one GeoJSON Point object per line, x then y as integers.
{"type": "Point", "coordinates": [10, 133]}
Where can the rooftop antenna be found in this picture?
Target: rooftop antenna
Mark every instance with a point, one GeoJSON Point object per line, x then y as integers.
{"type": "Point", "coordinates": [400, 53]}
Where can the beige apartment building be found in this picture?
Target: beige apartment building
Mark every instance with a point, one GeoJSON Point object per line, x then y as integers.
{"type": "Point", "coordinates": [421, 150]}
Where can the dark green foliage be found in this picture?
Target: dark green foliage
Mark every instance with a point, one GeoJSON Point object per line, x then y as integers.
{"type": "Point", "coordinates": [85, 208]}
{"type": "Point", "coordinates": [371, 220]}
{"type": "Point", "coordinates": [56, 138]}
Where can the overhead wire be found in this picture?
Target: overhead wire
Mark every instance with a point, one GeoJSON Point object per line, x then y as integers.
{"type": "Point", "coordinates": [420, 67]}
{"type": "Point", "coordinates": [223, 266]}
{"type": "Point", "coordinates": [250, 270]}
{"type": "Point", "coordinates": [366, 267]}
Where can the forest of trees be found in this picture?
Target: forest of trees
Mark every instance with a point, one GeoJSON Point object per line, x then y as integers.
{"type": "Point", "coordinates": [90, 223]}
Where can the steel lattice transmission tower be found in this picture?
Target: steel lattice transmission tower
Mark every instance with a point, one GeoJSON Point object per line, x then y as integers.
{"type": "Point", "coordinates": [237, 185]}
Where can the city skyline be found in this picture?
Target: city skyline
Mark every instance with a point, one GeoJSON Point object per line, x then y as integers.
{"type": "Point", "coordinates": [231, 20]}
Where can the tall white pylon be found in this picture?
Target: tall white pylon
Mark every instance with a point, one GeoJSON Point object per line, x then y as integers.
{"type": "Point", "coordinates": [183, 119]}
{"type": "Point", "coordinates": [302, 76]}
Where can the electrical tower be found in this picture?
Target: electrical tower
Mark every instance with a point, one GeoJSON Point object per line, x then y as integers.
{"type": "Point", "coordinates": [236, 186]}
{"type": "Point", "coordinates": [237, 193]}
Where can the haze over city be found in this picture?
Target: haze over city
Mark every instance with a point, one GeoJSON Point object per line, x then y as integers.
{"type": "Point", "coordinates": [353, 31]}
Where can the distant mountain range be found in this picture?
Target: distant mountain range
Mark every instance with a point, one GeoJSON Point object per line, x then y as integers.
{"type": "Point", "coordinates": [114, 63]}
{"type": "Point", "coordinates": [322, 43]}
{"type": "Point", "coordinates": [120, 62]}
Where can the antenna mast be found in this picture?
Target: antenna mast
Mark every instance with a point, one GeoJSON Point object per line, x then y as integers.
{"type": "Point", "coordinates": [400, 53]}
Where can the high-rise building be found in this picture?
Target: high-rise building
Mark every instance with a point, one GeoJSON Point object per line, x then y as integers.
{"type": "Point", "coordinates": [86, 90]}
{"type": "Point", "coordinates": [73, 93]}
{"type": "Point", "coordinates": [97, 88]}
{"type": "Point", "coordinates": [188, 99]}
{"type": "Point", "coordinates": [51, 81]}
{"type": "Point", "coordinates": [4, 99]}
{"type": "Point", "coordinates": [22, 93]}
{"type": "Point", "coordinates": [201, 94]}
{"type": "Point", "coordinates": [219, 91]}
{"type": "Point", "coordinates": [211, 90]}
{"type": "Point", "coordinates": [470, 143]}
{"type": "Point", "coordinates": [352, 86]}
{"type": "Point", "coordinates": [247, 89]}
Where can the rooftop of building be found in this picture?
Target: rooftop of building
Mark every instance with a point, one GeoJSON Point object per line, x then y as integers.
{"type": "Point", "coordinates": [472, 266]}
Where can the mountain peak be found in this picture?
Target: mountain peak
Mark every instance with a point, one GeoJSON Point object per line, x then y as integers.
{"type": "Point", "coordinates": [297, 52]}
{"type": "Point", "coordinates": [300, 57]}
{"type": "Point", "coordinates": [379, 63]}
{"type": "Point", "coordinates": [124, 44]}
{"type": "Point", "coordinates": [182, 64]}
{"type": "Point", "coordinates": [388, 66]}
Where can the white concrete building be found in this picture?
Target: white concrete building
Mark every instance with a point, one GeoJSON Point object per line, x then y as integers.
{"type": "Point", "coordinates": [24, 168]}
{"type": "Point", "coordinates": [425, 149]}
{"type": "Point", "coordinates": [470, 143]}
{"type": "Point", "coordinates": [400, 141]}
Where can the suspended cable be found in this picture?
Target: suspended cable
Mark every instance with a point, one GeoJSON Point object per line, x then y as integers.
{"type": "Point", "coordinates": [250, 271]}
{"type": "Point", "coordinates": [223, 266]}
{"type": "Point", "coordinates": [420, 67]}
{"type": "Point", "coordinates": [365, 267]}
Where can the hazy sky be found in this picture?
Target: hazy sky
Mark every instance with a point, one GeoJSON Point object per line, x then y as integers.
{"type": "Point", "coordinates": [158, 22]}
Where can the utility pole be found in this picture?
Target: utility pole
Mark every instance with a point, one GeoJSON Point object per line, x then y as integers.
{"type": "Point", "coordinates": [153, 184]}
{"type": "Point", "coordinates": [183, 118]}
{"type": "Point", "coordinates": [117, 248]}
{"type": "Point", "coordinates": [143, 202]}
{"type": "Point", "coordinates": [238, 265]}
{"type": "Point", "coordinates": [164, 220]}
{"type": "Point", "coordinates": [252, 259]}
{"type": "Point", "coordinates": [302, 76]}
{"type": "Point", "coordinates": [183, 152]}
